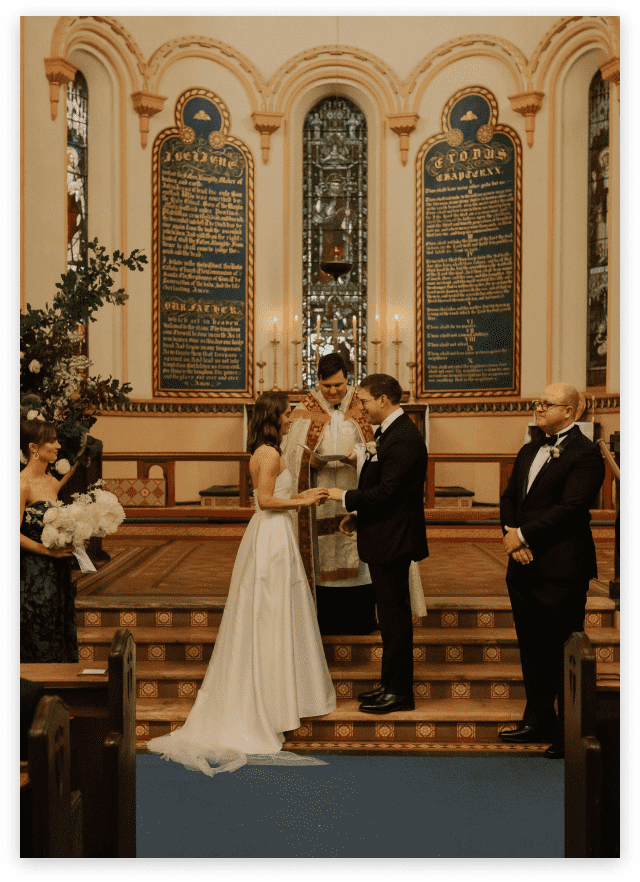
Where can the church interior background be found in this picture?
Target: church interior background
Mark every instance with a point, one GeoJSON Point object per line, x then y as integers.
{"type": "Point", "coordinates": [436, 197]}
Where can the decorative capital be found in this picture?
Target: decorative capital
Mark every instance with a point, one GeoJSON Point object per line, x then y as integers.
{"type": "Point", "coordinates": [527, 104]}
{"type": "Point", "coordinates": [610, 71]}
{"type": "Point", "coordinates": [146, 105]}
{"type": "Point", "coordinates": [266, 122]}
{"type": "Point", "coordinates": [59, 72]}
{"type": "Point", "coordinates": [403, 124]}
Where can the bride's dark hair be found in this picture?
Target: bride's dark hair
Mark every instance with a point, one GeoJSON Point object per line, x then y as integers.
{"type": "Point", "coordinates": [264, 427]}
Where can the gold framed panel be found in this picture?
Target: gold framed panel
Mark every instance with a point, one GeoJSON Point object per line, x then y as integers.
{"type": "Point", "coordinates": [452, 135]}
{"type": "Point", "coordinates": [228, 156]}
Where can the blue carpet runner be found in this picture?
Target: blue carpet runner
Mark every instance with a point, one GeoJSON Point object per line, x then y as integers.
{"type": "Point", "coordinates": [354, 807]}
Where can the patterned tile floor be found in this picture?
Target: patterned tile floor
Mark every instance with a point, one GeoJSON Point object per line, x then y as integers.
{"type": "Point", "coordinates": [200, 568]}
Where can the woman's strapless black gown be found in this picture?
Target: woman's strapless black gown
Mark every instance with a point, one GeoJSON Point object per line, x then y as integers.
{"type": "Point", "coordinates": [48, 631]}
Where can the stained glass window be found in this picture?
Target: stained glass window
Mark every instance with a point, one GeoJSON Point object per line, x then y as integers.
{"type": "Point", "coordinates": [334, 256]}
{"type": "Point", "coordinates": [77, 123]}
{"type": "Point", "coordinates": [598, 228]}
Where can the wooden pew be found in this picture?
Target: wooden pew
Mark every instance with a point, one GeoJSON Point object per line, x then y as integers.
{"type": "Point", "coordinates": [592, 754]}
{"type": "Point", "coordinates": [50, 812]}
{"type": "Point", "coordinates": [102, 732]}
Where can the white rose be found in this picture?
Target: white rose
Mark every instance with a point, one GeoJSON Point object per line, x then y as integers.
{"type": "Point", "coordinates": [50, 537]}
{"type": "Point", "coordinates": [62, 466]}
{"type": "Point", "coordinates": [32, 415]}
{"type": "Point", "coordinates": [23, 458]}
{"type": "Point", "coordinates": [51, 515]}
{"type": "Point", "coordinates": [35, 366]}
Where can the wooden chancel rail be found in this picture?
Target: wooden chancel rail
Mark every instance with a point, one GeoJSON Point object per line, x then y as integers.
{"type": "Point", "coordinates": [167, 462]}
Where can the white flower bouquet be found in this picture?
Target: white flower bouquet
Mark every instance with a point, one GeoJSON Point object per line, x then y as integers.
{"type": "Point", "coordinates": [94, 513]}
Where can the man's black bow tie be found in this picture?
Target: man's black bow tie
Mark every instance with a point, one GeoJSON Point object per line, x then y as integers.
{"type": "Point", "coordinates": [551, 440]}
{"type": "Point", "coordinates": [377, 433]}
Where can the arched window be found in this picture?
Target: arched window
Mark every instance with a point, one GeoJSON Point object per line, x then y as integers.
{"type": "Point", "coordinates": [598, 227]}
{"type": "Point", "coordinates": [77, 128]}
{"type": "Point", "coordinates": [334, 255]}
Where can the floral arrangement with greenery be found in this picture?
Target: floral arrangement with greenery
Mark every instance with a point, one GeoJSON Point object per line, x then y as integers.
{"type": "Point", "coordinates": [54, 376]}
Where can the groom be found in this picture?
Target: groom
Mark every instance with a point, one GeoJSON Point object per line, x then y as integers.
{"type": "Point", "coordinates": [390, 526]}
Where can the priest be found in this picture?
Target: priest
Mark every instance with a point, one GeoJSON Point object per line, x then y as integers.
{"type": "Point", "coordinates": [330, 421]}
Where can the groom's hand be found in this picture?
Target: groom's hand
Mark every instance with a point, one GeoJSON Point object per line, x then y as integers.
{"type": "Point", "coordinates": [348, 525]}
{"type": "Point", "coordinates": [335, 493]}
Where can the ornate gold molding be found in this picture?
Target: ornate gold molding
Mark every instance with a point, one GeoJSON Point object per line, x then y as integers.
{"type": "Point", "coordinates": [146, 105]}
{"type": "Point", "coordinates": [527, 104]}
{"type": "Point", "coordinates": [59, 72]}
{"type": "Point", "coordinates": [610, 71]}
{"type": "Point", "coordinates": [403, 124]}
{"type": "Point", "coordinates": [266, 122]}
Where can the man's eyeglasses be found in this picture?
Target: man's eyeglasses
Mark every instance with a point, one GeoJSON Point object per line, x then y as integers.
{"type": "Point", "coordinates": [364, 401]}
{"type": "Point", "coordinates": [545, 405]}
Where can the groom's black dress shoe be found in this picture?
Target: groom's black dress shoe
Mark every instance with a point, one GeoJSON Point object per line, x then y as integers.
{"type": "Point", "coordinates": [555, 751]}
{"type": "Point", "coordinates": [387, 702]}
{"type": "Point", "coordinates": [374, 693]}
{"type": "Point", "coordinates": [526, 735]}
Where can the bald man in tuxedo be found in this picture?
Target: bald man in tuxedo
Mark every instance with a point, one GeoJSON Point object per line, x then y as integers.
{"type": "Point", "coordinates": [545, 518]}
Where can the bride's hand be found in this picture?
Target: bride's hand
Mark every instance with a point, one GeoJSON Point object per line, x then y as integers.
{"type": "Point", "coordinates": [313, 496]}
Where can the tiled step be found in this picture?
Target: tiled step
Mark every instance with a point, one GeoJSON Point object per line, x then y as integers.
{"type": "Point", "coordinates": [443, 612]}
{"type": "Point", "coordinates": [431, 645]}
{"type": "Point", "coordinates": [440, 720]}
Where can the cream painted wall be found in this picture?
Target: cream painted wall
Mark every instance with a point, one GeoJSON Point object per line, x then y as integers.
{"type": "Point", "coordinates": [245, 53]}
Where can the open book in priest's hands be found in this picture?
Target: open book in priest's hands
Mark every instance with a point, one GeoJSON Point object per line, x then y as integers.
{"type": "Point", "coordinates": [327, 457]}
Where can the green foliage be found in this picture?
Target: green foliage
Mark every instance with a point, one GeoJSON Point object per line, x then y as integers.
{"type": "Point", "coordinates": [54, 375]}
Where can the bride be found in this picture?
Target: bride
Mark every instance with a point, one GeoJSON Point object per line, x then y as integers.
{"type": "Point", "coordinates": [268, 667]}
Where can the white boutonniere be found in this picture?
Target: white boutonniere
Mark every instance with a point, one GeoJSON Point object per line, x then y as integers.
{"type": "Point", "coordinates": [555, 452]}
{"type": "Point", "coordinates": [372, 447]}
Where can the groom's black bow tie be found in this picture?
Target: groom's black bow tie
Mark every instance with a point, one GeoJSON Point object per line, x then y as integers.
{"type": "Point", "coordinates": [377, 433]}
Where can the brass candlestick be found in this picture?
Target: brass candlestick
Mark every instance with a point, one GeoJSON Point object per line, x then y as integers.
{"type": "Point", "coordinates": [275, 344]}
{"type": "Point", "coordinates": [397, 343]}
{"type": "Point", "coordinates": [261, 365]}
{"type": "Point", "coordinates": [375, 344]}
{"type": "Point", "coordinates": [295, 387]}
{"type": "Point", "coordinates": [411, 365]}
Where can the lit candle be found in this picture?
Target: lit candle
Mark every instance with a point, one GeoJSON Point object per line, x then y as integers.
{"type": "Point", "coordinates": [378, 337]}
{"type": "Point", "coordinates": [318, 330]}
{"type": "Point", "coordinates": [397, 331]}
{"type": "Point", "coordinates": [355, 333]}
{"type": "Point", "coordinates": [296, 328]}
{"type": "Point", "coordinates": [275, 329]}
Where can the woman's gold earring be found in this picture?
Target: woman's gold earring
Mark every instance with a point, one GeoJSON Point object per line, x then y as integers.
{"type": "Point", "coordinates": [36, 455]}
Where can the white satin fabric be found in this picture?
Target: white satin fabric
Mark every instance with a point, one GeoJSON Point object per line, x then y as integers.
{"type": "Point", "coordinates": [268, 667]}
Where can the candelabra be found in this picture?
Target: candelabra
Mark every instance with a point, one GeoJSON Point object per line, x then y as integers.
{"type": "Point", "coordinates": [261, 365]}
{"type": "Point", "coordinates": [295, 387]}
{"type": "Point", "coordinates": [411, 365]}
{"type": "Point", "coordinates": [275, 344]}
{"type": "Point", "coordinates": [397, 343]}
{"type": "Point", "coordinates": [375, 344]}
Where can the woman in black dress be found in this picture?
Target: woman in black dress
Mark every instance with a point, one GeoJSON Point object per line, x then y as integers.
{"type": "Point", "coordinates": [47, 593]}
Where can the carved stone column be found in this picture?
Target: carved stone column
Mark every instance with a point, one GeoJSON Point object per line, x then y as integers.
{"type": "Point", "coordinates": [59, 72]}
{"type": "Point", "coordinates": [403, 124]}
{"type": "Point", "coordinates": [610, 71]}
{"type": "Point", "coordinates": [266, 122]}
{"type": "Point", "coordinates": [527, 104]}
{"type": "Point", "coordinates": [146, 105]}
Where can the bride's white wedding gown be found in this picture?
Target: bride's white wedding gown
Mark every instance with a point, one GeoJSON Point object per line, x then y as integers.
{"type": "Point", "coordinates": [268, 667]}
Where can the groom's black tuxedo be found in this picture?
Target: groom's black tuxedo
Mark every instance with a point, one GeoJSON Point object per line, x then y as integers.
{"type": "Point", "coordinates": [548, 595]}
{"type": "Point", "coordinates": [389, 503]}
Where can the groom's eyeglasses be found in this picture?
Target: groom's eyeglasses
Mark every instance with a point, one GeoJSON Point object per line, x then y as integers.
{"type": "Point", "coordinates": [364, 401]}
